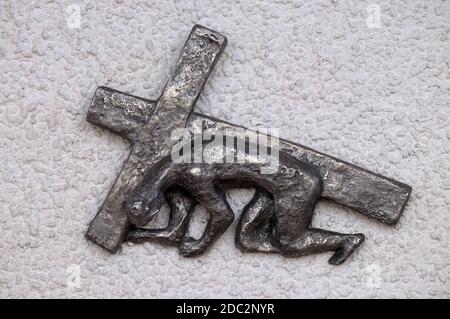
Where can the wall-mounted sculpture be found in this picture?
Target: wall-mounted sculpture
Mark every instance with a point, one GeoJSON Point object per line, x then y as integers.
{"type": "Point", "coordinates": [276, 220]}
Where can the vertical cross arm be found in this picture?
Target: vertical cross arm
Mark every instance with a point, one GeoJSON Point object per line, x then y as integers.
{"type": "Point", "coordinates": [197, 59]}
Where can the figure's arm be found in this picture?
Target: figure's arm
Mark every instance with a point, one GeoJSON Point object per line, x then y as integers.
{"type": "Point", "coordinates": [181, 207]}
{"type": "Point", "coordinates": [122, 113]}
{"type": "Point", "coordinates": [220, 217]}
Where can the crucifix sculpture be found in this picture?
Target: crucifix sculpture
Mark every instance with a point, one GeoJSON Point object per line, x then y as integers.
{"type": "Point", "coordinates": [276, 220]}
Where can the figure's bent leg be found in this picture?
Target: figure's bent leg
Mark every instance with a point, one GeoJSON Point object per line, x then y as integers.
{"type": "Point", "coordinates": [221, 216]}
{"type": "Point", "coordinates": [254, 230]}
{"type": "Point", "coordinates": [294, 209]}
{"type": "Point", "coordinates": [315, 241]}
{"type": "Point", "coordinates": [181, 206]}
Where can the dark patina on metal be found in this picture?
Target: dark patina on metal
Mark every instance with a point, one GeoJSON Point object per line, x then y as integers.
{"type": "Point", "coordinates": [276, 220]}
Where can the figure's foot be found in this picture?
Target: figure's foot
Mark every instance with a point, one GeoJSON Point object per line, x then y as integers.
{"type": "Point", "coordinates": [190, 247]}
{"type": "Point", "coordinates": [351, 243]}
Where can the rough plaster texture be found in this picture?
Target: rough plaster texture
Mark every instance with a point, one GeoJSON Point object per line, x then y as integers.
{"type": "Point", "coordinates": [377, 97]}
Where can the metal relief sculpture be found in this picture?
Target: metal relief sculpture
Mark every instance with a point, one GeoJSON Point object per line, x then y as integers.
{"type": "Point", "coordinates": [276, 220]}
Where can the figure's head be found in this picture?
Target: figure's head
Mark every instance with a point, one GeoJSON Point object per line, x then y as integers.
{"type": "Point", "coordinates": [142, 207]}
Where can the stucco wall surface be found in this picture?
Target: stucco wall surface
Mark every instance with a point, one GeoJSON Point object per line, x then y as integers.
{"type": "Point", "coordinates": [365, 82]}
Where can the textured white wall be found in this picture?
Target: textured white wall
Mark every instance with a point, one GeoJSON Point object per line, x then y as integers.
{"type": "Point", "coordinates": [377, 95]}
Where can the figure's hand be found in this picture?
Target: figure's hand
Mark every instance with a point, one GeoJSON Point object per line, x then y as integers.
{"type": "Point", "coordinates": [191, 247]}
